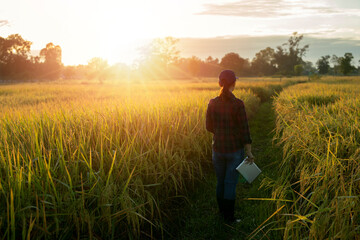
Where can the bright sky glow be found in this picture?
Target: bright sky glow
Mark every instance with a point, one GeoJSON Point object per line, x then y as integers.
{"type": "Point", "coordinates": [115, 30]}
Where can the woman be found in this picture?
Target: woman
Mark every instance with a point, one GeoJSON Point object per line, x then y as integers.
{"type": "Point", "coordinates": [226, 119]}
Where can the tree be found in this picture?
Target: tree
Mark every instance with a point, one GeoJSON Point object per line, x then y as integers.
{"type": "Point", "coordinates": [194, 65]}
{"type": "Point", "coordinates": [211, 67]}
{"type": "Point", "coordinates": [51, 55]}
{"type": "Point", "coordinates": [290, 54]}
{"type": "Point", "coordinates": [309, 68]}
{"type": "Point", "coordinates": [97, 68]}
{"type": "Point", "coordinates": [158, 56]}
{"type": "Point", "coordinates": [211, 60]}
{"type": "Point", "coordinates": [264, 62]}
{"type": "Point", "coordinates": [298, 69]}
{"type": "Point", "coordinates": [323, 64]}
{"type": "Point", "coordinates": [69, 72]}
{"type": "Point", "coordinates": [13, 45]}
{"type": "Point", "coordinates": [236, 63]}
{"type": "Point", "coordinates": [345, 63]}
{"type": "Point", "coordinates": [335, 61]}
{"type": "Point", "coordinates": [119, 71]}
{"type": "Point", "coordinates": [14, 57]}
{"type": "Point", "coordinates": [163, 51]}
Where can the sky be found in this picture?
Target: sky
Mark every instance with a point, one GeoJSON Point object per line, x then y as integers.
{"type": "Point", "coordinates": [116, 30]}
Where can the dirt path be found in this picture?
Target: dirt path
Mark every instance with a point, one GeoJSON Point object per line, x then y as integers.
{"type": "Point", "coordinates": [200, 219]}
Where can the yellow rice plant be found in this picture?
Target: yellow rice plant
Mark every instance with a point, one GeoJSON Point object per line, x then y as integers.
{"type": "Point", "coordinates": [99, 160]}
{"type": "Point", "coordinates": [318, 126]}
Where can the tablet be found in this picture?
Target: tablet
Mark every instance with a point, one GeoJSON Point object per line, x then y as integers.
{"type": "Point", "coordinates": [249, 170]}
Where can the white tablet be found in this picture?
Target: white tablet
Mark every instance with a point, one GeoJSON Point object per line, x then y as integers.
{"type": "Point", "coordinates": [249, 170]}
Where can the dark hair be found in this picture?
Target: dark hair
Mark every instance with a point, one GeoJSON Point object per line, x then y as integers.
{"type": "Point", "coordinates": [226, 79]}
{"type": "Point", "coordinates": [224, 90]}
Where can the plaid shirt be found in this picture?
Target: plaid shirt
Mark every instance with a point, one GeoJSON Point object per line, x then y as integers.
{"type": "Point", "coordinates": [226, 119]}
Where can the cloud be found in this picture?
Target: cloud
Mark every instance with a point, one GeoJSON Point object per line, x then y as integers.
{"type": "Point", "coordinates": [248, 46]}
{"type": "Point", "coordinates": [245, 9]}
{"type": "Point", "coordinates": [4, 23]}
{"type": "Point", "coordinates": [274, 9]}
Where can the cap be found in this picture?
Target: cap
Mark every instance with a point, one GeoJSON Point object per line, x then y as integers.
{"type": "Point", "coordinates": [227, 77]}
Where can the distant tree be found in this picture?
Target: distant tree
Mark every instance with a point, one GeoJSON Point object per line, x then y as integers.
{"type": "Point", "coordinates": [15, 62]}
{"type": "Point", "coordinates": [163, 51]}
{"type": "Point", "coordinates": [323, 64]}
{"type": "Point", "coordinates": [81, 71]}
{"type": "Point", "coordinates": [211, 60]}
{"type": "Point", "coordinates": [298, 69]}
{"type": "Point", "coordinates": [290, 54]}
{"type": "Point", "coordinates": [194, 65]}
{"type": "Point", "coordinates": [69, 72]}
{"type": "Point", "coordinates": [180, 68]}
{"type": "Point", "coordinates": [335, 61]}
{"type": "Point", "coordinates": [51, 55]}
{"type": "Point", "coordinates": [119, 71]}
{"type": "Point", "coordinates": [158, 56]}
{"type": "Point", "coordinates": [12, 46]}
{"type": "Point", "coordinates": [309, 68]}
{"type": "Point", "coordinates": [345, 63]}
{"type": "Point", "coordinates": [211, 67]}
{"type": "Point", "coordinates": [236, 63]}
{"type": "Point", "coordinates": [166, 49]}
{"type": "Point", "coordinates": [76, 72]}
{"type": "Point", "coordinates": [97, 68]}
{"type": "Point", "coordinates": [264, 62]}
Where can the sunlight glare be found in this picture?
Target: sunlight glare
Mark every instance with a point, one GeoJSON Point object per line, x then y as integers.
{"type": "Point", "coordinates": [124, 29]}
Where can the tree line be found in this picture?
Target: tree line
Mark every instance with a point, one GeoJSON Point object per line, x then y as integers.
{"type": "Point", "coordinates": [161, 59]}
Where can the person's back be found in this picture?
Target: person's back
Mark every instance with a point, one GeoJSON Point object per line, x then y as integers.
{"type": "Point", "coordinates": [228, 122]}
{"type": "Point", "coordinates": [226, 119]}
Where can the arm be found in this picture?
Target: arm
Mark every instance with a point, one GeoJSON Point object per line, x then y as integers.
{"type": "Point", "coordinates": [246, 133]}
{"type": "Point", "coordinates": [250, 158]}
{"type": "Point", "coordinates": [209, 120]}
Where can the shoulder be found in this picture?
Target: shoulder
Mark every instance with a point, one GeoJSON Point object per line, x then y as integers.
{"type": "Point", "coordinates": [239, 102]}
{"type": "Point", "coordinates": [213, 100]}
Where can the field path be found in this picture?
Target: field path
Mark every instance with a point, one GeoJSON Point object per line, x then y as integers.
{"type": "Point", "coordinates": [200, 219]}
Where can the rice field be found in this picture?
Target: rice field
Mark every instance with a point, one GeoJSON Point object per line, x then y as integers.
{"type": "Point", "coordinates": [104, 161]}
{"type": "Point", "coordinates": [111, 161]}
{"type": "Point", "coordinates": [318, 125]}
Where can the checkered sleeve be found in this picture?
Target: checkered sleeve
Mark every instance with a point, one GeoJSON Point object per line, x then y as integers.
{"type": "Point", "coordinates": [209, 118]}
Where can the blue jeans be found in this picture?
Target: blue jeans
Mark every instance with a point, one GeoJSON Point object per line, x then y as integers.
{"type": "Point", "coordinates": [227, 177]}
